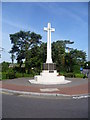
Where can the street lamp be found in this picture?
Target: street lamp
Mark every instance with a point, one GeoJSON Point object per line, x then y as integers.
{"type": "Point", "coordinates": [87, 64]}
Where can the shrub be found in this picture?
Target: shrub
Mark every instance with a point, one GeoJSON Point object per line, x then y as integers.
{"type": "Point", "coordinates": [5, 66]}
{"type": "Point", "coordinates": [28, 75]}
{"type": "Point", "coordinates": [69, 75]}
{"type": "Point", "coordinates": [11, 74]}
{"type": "Point", "coordinates": [4, 75]}
{"type": "Point", "coordinates": [62, 73]}
{"type": "Point", "coordinates": [77, 75]}
{"type": "Point", "coordinates": [19, 75]}
{"type": "Point", "coordinates": [0, 75]}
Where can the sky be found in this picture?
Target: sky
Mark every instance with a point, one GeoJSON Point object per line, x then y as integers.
{"type": "Point", "coordinates": [70, 20]}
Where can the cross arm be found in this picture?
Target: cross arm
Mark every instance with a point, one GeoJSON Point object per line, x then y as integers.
{"type": "Point", "coordinates": [45, 29]}
{"type": "Point", "coordinates": [52, 29]}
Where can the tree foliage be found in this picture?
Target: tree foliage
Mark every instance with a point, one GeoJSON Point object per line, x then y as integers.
{"type": "Point", "coordinates": [27, 46]}
{"type": "Point", "coordinates": [22, 42]}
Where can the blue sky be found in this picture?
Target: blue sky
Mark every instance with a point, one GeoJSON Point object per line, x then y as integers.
{"type": "Point", "coordinates": [70, 20]}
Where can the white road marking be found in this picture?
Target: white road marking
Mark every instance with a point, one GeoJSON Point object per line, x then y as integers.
{"type": "Point", "coordinates": [49, 89]}
{"type": "Point", "coordinates": [80, 97]}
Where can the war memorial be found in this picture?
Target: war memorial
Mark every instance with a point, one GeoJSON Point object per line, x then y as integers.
{"type": "Point", "coordinates": [49, 74]}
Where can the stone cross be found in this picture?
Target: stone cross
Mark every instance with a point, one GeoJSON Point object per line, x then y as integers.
{"type": "Point", "coordinates": [49, 30]}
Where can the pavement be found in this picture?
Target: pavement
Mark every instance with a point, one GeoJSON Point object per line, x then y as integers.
{"type": "Point", "coordinates": [77, 87]}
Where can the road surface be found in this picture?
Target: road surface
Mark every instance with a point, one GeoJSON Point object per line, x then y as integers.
{"type": "Point", "coordinates": [15, 106]}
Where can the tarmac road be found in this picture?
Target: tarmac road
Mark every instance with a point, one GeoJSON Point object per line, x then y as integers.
{"type": "Point", "coordinates": [14, 106]}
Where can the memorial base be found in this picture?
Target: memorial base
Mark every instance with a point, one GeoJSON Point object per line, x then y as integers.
{"type": "Point", "coordinates": [48, 77]}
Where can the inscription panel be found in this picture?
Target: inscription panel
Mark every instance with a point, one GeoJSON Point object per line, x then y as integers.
{"type": "Point", "coordinates": [49, 66]}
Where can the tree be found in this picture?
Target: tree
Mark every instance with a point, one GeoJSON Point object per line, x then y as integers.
{"type": "Point", "coordinates": [22, 42]}
{"type": "Point", "coordinates": [43, 49]}
{"type": "Point", "coordinates": [79, 56]}
{"type": "Point", "coordinates": [28, 46]}
{"type": "Point", "coordinates": [58, 51]}
{"type": "Point", "coordinates": [35, 39]}
{"type": "Point", "coordinates": [35, 58]}
{"type": "Point", "coordinates": [69, 62]}
{"type": "Point", "coordinates": [19, 40]}
{"type": "Point", "coordinates": [74, 59]}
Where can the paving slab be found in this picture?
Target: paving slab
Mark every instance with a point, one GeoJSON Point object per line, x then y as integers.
{"type": "Point", "coordinates": [77, 86]}
{"type": "Point", "coordinates": [25, 82]}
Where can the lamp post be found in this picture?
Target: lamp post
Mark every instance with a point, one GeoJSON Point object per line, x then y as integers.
{"type": "Point", "coordinates": [87, 65]}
